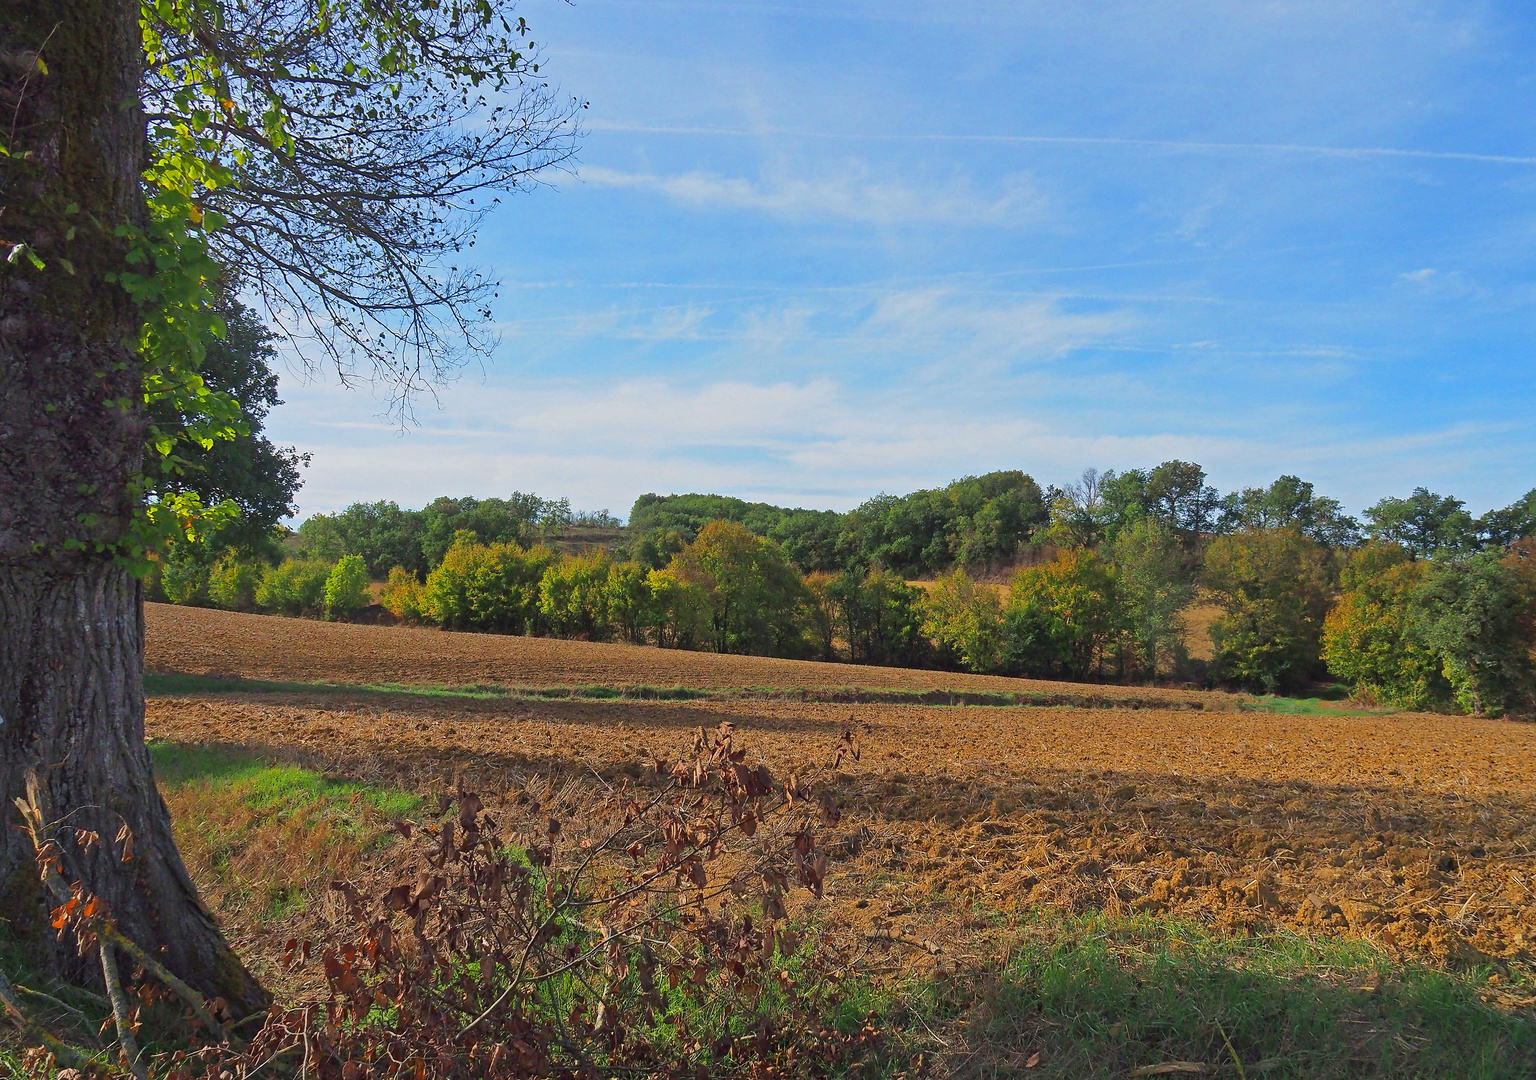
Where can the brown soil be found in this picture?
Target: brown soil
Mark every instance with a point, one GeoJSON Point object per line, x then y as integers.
{"type": "Point", "coordinates": [203, 641]}
{"type": "Point", "coordinates": [1416, 831]}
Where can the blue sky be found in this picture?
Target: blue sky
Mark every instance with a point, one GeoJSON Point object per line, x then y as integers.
{"type": "Point", "coordinates": [813, 252]}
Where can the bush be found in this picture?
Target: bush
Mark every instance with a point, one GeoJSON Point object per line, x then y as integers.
{"type": "Point", "coordinates": [403, 596]}
{"type": "Point", "coordinates": [296, 587]}
{"type": "Point", "coordinates": [573, 597]}
{"type": "Point", "coordinates": [184, 576]}
{"type": "Point", "coordinates": [1061, 616]}
{"type": "Point", "coordinates": [490, 587]}
{"type": "Point", "coordinates": [346, 587]}
{"type": "Point", "coordinates": [232, 584]}
{"type": "Point", "coordinates": [966, 619]}
{"type": "Point", "coordinates": [1367, 639]}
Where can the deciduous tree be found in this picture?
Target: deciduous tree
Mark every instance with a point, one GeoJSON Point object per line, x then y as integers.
{"type": "Point", "coordinates": [340, 144]}
{"type": "Point", "coordinates": [1274, 586]}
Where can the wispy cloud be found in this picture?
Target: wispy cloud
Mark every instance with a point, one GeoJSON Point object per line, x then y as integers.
{"type": "Point", "coordinates": [814, 442]}
{"type": "Point", "coordinates": [1192, 146]}
{"type": "Point", "coordinates": [851, 195]}
{"type": "Point", "coordinates": [979, 329]}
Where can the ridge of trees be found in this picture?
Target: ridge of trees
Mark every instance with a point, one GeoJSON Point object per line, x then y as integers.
{"type": "Point", "coordinates": [1420, 606]}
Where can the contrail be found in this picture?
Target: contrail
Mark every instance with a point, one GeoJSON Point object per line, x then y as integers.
{"type": "Point", "coordinates": [1083, 140]}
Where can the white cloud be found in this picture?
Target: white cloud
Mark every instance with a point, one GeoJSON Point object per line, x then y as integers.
{"type": "Point", "coordinates": [1419, 277]}
{"type": "Point", "coordinates": [851, 195]}
{"type": "Point", "coordinates": [947, 325]}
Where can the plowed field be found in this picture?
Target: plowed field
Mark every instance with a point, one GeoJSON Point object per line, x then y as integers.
{"type": "Point", "coordinates": [206, 642]}
{"type": "Point", "coordinates": [1416, 831]}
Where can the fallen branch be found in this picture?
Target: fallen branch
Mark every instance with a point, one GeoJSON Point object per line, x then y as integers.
{"type": "Point", "coordinates": [127, 1044]}
{"type": "Point", "coordinates": [62, 1051]}
{"type": "Point", "coordinates": [104, 928]}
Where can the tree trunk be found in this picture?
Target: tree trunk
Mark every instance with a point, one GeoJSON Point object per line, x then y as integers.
{"type": "Point", "coordinates": [72, 704]}
{"type": "Point", "coordinates": [71, 445]}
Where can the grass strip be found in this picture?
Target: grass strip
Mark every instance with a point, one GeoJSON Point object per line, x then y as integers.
{"type": "Point", "coordinates": [175, 684]}
{"type": "Point", "coordinates": [1096, 996]}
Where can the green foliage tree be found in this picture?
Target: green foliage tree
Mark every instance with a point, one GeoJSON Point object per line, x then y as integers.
{"type": "Point", "coordinates": [881, 617]}
{"type": "Point", "coordinates": [1368, 637]}
{"type": "Point", "coordinates": [822, 613]}
{"type": "Point", "coordinates": [681, 608]}
{"type": "Point", "coordinates": [1061, 616]}
{"type": "Point", "coordinates": [1513, 523]}
{"type": "Point", "coordinates": [1154, 584]}
{"type": "Point", "coordinates": [296, 587]}
{"type": "Point", "coordinates": [522, 519]}
{"type": "Point", "coordinates": [977, 521]}
{"type": "Point", "coordinates": [1177, 496]}
{"type": "Point", "coordinates": [629, 600]}
{"type": "Point", "coordinates": [654, 549]}
{"type": "Point", "coordinates": [1274, 586]}
{"type": "Point", "coordinates": [574, 596]}
{"type": "Point", "coordinates": [754, 593]}
{"type": "Point", "coordinates": [965, 620]}
{"type": "Point", "coordinates": [1099, 505]}
{"type": "Point", "coordinates": [346, 587]}
{"type": "Point", "coordinates": [1289, 502]}
{"type": "Point", "coordinates": [488, 587]}
{"type": "Point", "coordinates": [1474, 614]}
{"type": "Point", "coordinates": [662, 524]}
{"type": "Point", "coordinates": [256, 476]}
{"type": "Point", "coordinates": [1424, 524]}
{"type": "Point", "coordinates": [183, 574]}
{"type": "Point", "coordinates": [382, 533]}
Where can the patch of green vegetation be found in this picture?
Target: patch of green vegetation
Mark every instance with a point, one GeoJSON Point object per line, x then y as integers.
{"type": "Point", "coordinates": [176, 684]}
{"type": "Point", "coordinates": [264, 838]}
{"type": "Point", "coordinates": [1314, 706]}
{"type": "Point", "coordinates": [264, 787]}
{"type": "Point", "coordinates": [173, 684]}
{"type": "Point", "coordinates": [1100, 997]}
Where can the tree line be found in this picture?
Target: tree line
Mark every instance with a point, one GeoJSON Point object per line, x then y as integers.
{"type": "Point", "coordinates": [1417, 605]}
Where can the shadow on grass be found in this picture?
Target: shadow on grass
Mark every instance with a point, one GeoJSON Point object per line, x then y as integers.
{"type": "Point", "coordinates": [1098, 997]}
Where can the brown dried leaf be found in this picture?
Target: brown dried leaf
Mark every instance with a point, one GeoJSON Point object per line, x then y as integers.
{"type": "Point", "coordinates": [125, 838]}
{"type": "Point", "coordinates": [830, 813]}
{"type": "Point", "coordinates": [469, 806]}
{"type": "Point", "coordinates": [1171, 1068]}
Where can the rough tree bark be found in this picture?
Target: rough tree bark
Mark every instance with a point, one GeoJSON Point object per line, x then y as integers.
{"type": "Point", "coordinates": [71, 438]}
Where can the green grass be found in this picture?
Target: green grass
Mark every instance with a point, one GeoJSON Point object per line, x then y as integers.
{"type": "Point", "coordinates": [174, 684]}
{"type": "Point", "coordinates": [1100, 997]}
{"type": "Point", "coordinates": [267, 788]}
{"type": "Point", "coordinates": [264, 838]}
{"type": "Point", "coordinates": [1314, 706]}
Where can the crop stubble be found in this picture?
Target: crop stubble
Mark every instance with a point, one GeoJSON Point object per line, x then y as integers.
{"type": "Point", "coordinates": [1417, 831]}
